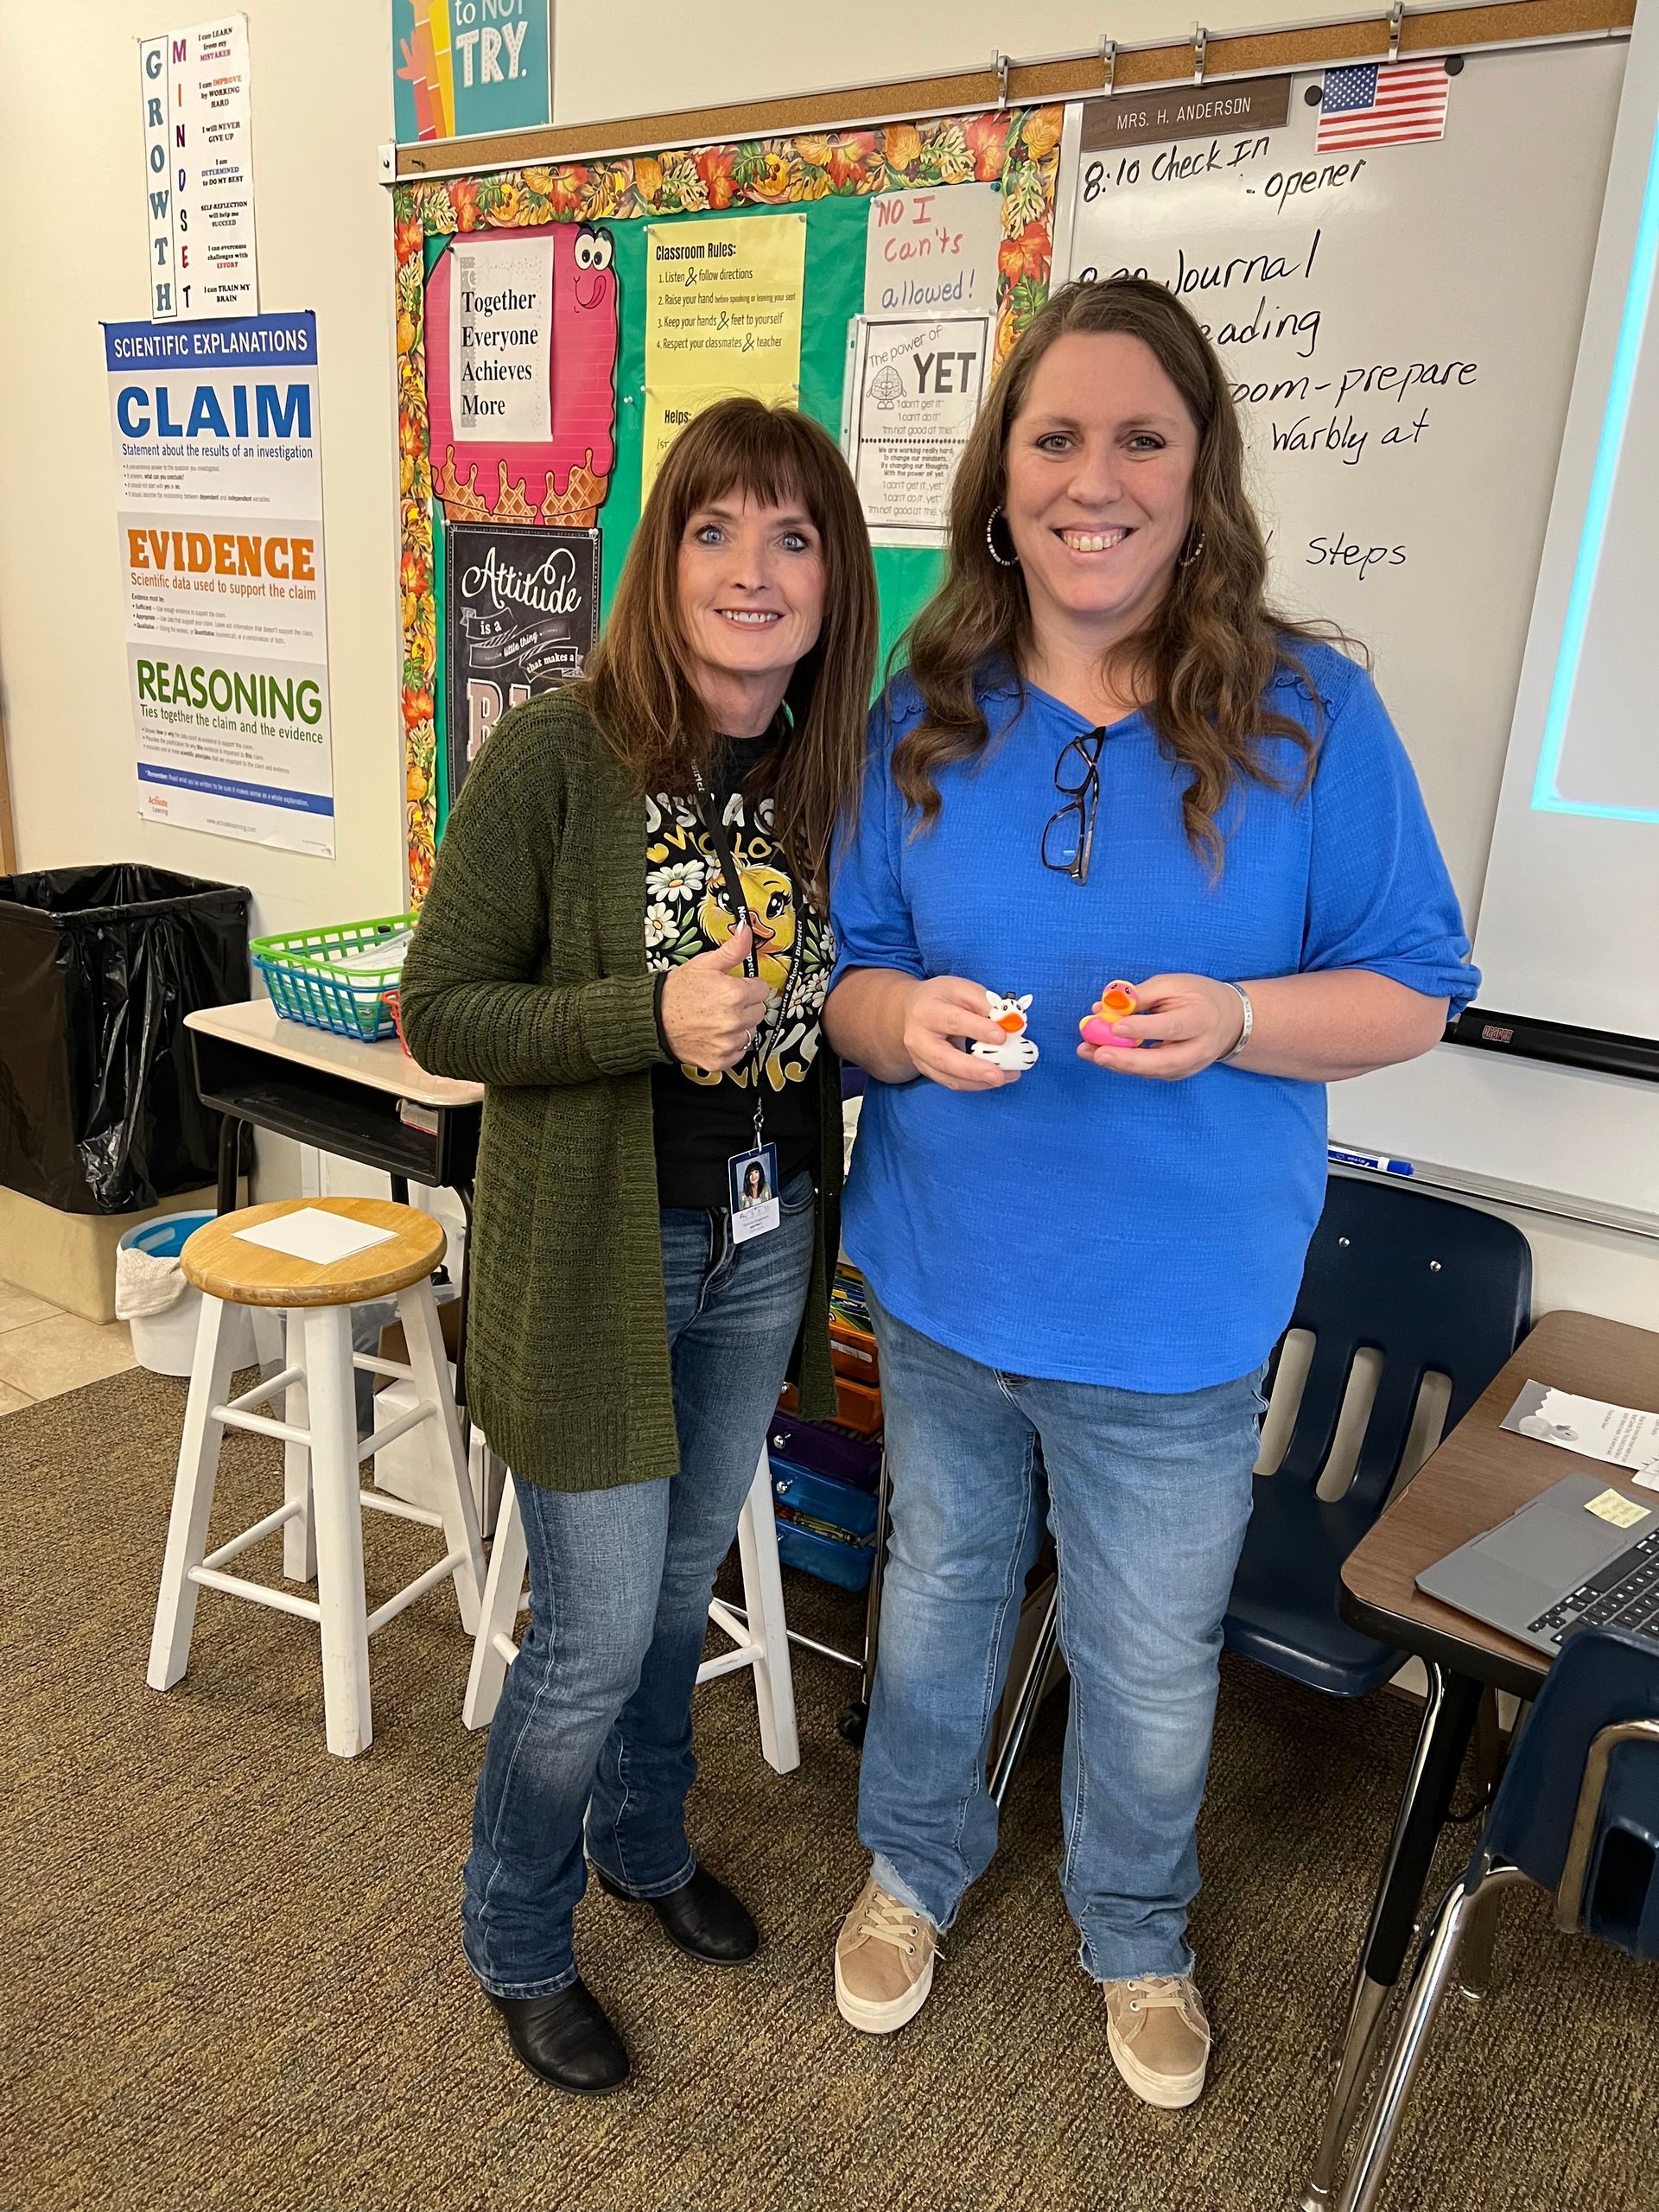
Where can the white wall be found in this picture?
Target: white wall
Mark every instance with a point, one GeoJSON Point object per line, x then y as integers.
{"type": "Point", "coordinates": [72, 253]}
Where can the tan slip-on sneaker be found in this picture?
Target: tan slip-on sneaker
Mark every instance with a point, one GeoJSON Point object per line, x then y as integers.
{"type": "Point", "coordinates": [884, 1962]}
{"type": "Point", "coordinates": [1159, 2036]}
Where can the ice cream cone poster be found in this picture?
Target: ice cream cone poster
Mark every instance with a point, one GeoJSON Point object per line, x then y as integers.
{"type": "Point", "coordinates": [521, 337]}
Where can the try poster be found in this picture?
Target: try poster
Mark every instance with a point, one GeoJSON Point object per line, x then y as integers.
{"type": "Point", "coordinates": [523, 616]}
{"type": "Point", "coordinates": [464, 67]}
{"type": "Point", "coordinates": [220, 513]}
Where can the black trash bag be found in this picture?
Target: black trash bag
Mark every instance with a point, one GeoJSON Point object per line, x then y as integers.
{"type": "Point", "coordinates": [99, 967]}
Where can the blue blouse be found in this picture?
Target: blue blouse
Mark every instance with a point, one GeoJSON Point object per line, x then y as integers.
{"type": "Point", "coordinates": [1092, 1228]}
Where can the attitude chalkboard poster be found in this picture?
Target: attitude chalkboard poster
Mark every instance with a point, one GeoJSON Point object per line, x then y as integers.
{"type": "Point", "coordinates": [523, 616]}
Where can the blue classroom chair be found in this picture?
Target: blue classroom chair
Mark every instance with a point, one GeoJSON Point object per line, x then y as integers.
{"type": "Point", "coordinates": [1577, 1812]}
{"type": "Point", "coordinates": [1434, 1288]}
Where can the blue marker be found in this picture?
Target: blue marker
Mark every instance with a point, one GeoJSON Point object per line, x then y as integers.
{"type": "Point", "coordinates": [1378, 1162]}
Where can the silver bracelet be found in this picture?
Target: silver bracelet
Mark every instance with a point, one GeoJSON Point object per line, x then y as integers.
{"type": "Point", "coordinates": [1249, 1024]}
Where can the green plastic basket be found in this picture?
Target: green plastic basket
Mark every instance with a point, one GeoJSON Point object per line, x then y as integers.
{"type": "Point", "coordinates": [336, 978]}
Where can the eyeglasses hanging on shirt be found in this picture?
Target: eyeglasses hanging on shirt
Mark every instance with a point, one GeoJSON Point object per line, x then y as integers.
{"type": "Point", "coordinates": [1069, 834]}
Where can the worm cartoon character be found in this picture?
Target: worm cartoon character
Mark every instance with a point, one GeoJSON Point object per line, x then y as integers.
{"type": "Point", "coordinates": [1016, 1051]}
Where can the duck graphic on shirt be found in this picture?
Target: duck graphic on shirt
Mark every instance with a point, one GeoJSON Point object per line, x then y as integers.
{"type": "Point", "coordinates": [685, 915]}
{"type": "Point", "coordinates": [770, 898]}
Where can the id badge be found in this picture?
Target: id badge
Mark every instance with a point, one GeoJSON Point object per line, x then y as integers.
{"type": "Point", "coordinates": [751, 1177]}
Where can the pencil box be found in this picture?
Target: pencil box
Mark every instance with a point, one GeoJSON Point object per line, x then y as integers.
{"type": "Point", "coordinates": [852, 1353]}
{"type": "Point", "coordinates": [825, 1527]}
{"type": "Point", "coordinates": [857, 1408]}
{"type": "Point", "coordinates": [823, 1450]}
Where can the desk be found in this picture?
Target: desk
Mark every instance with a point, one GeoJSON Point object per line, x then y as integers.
{"type": "Point", "coordinates": [1480, 1475]}
{"type": "Point", "coordinates": [367, 1103]}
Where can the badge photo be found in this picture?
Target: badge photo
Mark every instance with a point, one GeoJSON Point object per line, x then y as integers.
{"type": "Point", "coordinates": [753, 1178]}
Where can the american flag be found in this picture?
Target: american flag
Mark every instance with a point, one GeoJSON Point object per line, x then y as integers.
{"type": "Point", "coordinates": [1380, 103]}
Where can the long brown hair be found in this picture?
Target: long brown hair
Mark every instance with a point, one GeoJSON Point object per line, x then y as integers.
{"type": "Point", "coordinates": [1208, 651]}
{"type": "Point", "coordinates": [639, 676]}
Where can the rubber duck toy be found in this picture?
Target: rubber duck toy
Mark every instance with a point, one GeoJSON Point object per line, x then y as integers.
{"type": "Point", "coordinates": [1016, 1051]}
{"type": "Point", "coordinates": [1115, 1002]}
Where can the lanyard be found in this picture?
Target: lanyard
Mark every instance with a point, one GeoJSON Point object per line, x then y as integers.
{"type": "Point", "coordinates": [766, 1032]}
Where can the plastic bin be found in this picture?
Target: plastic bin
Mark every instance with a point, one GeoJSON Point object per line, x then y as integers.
{"type": "Point", "coordinates": [842, 1549]}
{"type": "Point", "coordinates": [99, 966]}
{"type": "Point", "coordinates": [165, 1342]}
{"type": "Point", "coordinates": [826, 1450]}
{"type": "Point", "coordinates": [340, 978]}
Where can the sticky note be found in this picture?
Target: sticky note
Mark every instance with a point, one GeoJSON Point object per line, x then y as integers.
{"type": "Point", "coordinates": [1611, 1505]}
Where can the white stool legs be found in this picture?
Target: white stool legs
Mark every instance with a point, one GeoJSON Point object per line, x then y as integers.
{"type": "Point", "coordinates": [320, 1516]}
{"type": "Point", "coordinates": [767, 1632]}
{"type": "Point", "coordinates": [337, 1525]}
{"type": "Point", "coordinates": [494, 1648]}
{"type": "Point", "coordinates": [760, 1644]}
{"type": "Point", "coordinates": [452, 1485]}
{"type": "Point", "coordinates": [192, 1499]}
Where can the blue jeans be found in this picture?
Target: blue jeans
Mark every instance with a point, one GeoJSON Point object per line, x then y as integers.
{"type": "Point", "coordinates": [1148, 1496]}
{"type": "Point", "coordinates": [594, 1721]}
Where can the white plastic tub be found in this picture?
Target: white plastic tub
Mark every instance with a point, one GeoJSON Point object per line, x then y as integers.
{"type": "Point", "coordinates": [165, 1342]}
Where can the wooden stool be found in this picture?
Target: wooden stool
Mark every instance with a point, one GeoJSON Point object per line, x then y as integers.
{"type": "Point", "coordinates": [760, 1641]}
{"type": "Point", "coordinates": [321, 1514]}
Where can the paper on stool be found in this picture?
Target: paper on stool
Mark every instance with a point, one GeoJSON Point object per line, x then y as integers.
{"type": "Point", "coordinates": [311, 1234]}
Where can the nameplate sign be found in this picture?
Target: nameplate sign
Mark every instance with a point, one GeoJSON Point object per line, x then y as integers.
{"type": "Point", "coordinates": [1189, 112]}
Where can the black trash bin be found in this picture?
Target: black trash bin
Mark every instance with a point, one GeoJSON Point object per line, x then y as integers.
{"type": "Point", "coordinates": [99, 967]}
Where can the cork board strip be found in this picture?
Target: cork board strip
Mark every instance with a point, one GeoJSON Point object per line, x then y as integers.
{"type": "Point", "coordinates": [1310, 46]}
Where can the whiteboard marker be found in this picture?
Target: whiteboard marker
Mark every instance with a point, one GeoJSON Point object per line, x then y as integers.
{"type": "Point", "coordinates": [1378, 1161]}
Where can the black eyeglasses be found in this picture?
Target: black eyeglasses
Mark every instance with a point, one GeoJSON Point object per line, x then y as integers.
{"type": "Point", "coordinates": [1069, 834]}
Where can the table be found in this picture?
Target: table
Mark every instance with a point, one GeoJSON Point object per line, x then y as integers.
{"type": "Point", "coordinates": [1480, 1475]}
{"type": "Point", "coordinates": [367, 1103]}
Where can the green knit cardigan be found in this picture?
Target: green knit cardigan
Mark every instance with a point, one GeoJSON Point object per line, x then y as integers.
{"type": "Point", "coordinates": [528, 973]}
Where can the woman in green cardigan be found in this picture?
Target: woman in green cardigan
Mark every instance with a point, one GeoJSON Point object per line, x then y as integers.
{"type": "Point", "coordinates": [626, 941]}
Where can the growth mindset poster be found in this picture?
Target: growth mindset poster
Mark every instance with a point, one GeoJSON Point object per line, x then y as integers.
{"type": "Point", "coordinates": [220, 516]}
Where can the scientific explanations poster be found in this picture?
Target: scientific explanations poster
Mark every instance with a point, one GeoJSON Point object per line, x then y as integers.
{"type": "Point", "coordinates": [220, 503]}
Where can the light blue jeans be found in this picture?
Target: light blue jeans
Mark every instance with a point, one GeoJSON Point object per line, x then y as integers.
{"type": "Point", "coordinates": [1148, 1496]}
{"type": "Point", "coordinates": [594, 1721]}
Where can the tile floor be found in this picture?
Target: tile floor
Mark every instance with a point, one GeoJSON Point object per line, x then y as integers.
{"type": "Point", "coordinates": [44, 1350]}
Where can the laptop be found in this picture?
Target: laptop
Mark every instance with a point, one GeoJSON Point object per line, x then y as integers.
{"type": "Point", "coordinates": [1553, 1565]}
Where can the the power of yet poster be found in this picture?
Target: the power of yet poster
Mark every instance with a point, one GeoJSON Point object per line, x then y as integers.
{"type": "Point", "coordinates": [523, 616]}
{"type": "Point", "coordinates": [915, 390]}
{"type": "Point", "coordinates": [221, 512]}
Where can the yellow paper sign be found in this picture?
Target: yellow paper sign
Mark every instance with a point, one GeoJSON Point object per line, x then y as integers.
{"type": "Point", "coordinates": [668, 413]}
{"type": "Point", "coordinates": [722, 316]}
{"type": "Point", "coordinates": [1612, 1505]}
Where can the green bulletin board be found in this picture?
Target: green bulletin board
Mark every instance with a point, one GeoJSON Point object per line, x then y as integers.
{"type": "Point", "coordinates": [830, 178]}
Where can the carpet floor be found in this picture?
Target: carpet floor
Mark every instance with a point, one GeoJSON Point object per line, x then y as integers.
{"type": "Point", "coordinates": [232, 1976]}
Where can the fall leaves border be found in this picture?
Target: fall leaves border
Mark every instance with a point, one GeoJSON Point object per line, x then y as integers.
{"type": "Point", "coordinates": [1016, 148]}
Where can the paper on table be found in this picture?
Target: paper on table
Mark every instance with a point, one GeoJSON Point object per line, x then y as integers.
{"type": "Point", "coordinates": [1618, 1434]}
{"type": "Point", "coordinates": [312, 1234]}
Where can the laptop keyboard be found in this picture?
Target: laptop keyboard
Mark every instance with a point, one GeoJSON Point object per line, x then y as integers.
{"type": "Point", "coordinates": [1625, 1593]}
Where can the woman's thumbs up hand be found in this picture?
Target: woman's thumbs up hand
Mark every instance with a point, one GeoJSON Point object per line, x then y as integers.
{"type": "Point", "coordinates": [710, 1008]}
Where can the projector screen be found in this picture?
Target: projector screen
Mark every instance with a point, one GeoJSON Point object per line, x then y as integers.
{"type": "Point", "coordinates": [1569, 928]}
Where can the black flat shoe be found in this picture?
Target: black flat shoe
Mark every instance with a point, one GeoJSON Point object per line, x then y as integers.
{"type": "Point", "coordinates": [702, 1918]}
{"type": "Point", "coordinates": [566, 2040]}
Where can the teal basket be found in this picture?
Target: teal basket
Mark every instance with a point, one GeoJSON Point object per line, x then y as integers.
{"type": "Point", "coordinates": [337, 979]}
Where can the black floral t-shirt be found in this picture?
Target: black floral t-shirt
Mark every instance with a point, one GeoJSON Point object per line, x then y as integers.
{"type": "Point", "coordinates": [702, 1117]}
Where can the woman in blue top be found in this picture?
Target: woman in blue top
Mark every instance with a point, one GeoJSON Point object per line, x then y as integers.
{"type": "Point", "coordinates": [1109, 756]}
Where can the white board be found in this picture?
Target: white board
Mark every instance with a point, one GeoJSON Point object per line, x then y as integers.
{"type": "Point", "coordinates": [1475, 249]}
{"type": "Point", "coordinates": [1569, 919]}
{"type": "Point", "coordinates": [1445, 290]}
